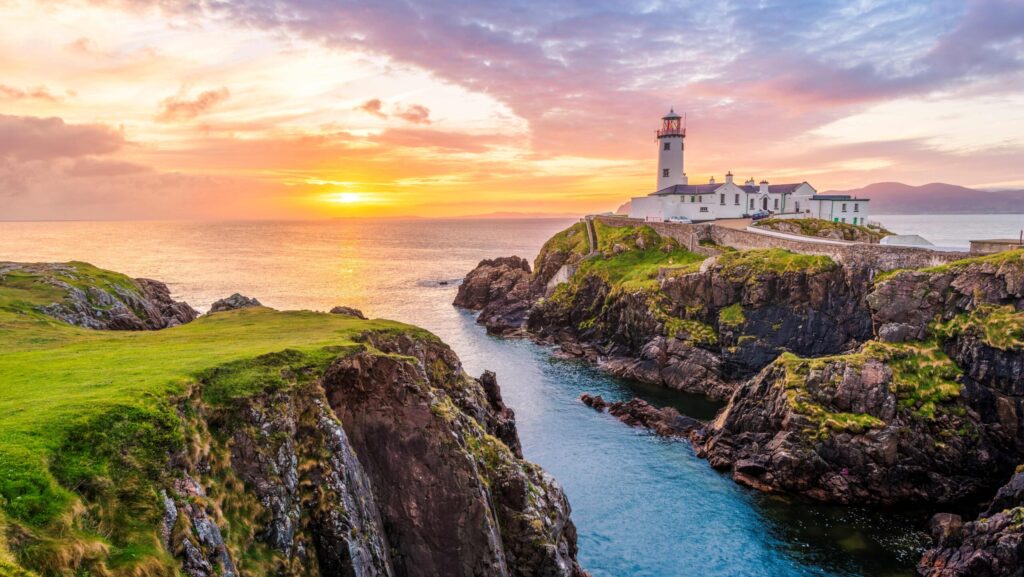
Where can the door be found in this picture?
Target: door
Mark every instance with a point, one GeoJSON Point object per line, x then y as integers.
{"type": "Point", "coordinates": [764, 203]}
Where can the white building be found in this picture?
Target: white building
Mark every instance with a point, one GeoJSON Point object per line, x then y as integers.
{"type": "Point", "coordinates": [675, 197]}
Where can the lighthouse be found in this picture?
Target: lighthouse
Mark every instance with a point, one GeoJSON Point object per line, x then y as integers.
{"type": "Point", "coordinates": [670, 151]}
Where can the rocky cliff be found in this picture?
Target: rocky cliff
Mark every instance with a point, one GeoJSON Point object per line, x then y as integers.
{"type": "Point", "coordinates": [928, 412]}
{"type": "Point", "coordinates": [358, 448]}
{"type": "Point", "coordinates": [644, 307]}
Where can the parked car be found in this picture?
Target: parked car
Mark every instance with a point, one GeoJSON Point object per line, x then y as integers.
{"type": "Point", "coordinates": [679, 220]}
{"type": "Point", "coordinates": [760, 215]}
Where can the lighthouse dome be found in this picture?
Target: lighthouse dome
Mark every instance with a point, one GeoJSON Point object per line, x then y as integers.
{"type": "Point", "coordinates": [671, 114]}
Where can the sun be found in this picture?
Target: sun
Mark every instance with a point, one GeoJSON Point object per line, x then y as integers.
{"type": "Point", "coordinates": [345, 197]}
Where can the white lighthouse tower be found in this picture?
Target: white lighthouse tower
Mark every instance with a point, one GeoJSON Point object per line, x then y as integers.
{"type": "Point", "coordinates": [670, 151]}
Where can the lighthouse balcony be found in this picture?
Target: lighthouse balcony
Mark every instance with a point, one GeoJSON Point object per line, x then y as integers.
{"type": "Point", "coordinates": [671, 132]}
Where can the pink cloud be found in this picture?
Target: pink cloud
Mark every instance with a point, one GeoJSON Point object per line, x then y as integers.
{"type": "Point", "coordinates": [178, 107]}
{"type": "Point", "coordinates": [33, 138]}
{"type": "Point", "coordinates": [414, 113]}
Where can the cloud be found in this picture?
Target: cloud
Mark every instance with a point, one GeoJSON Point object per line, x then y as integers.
{"type": "Point", "coordinates": [37, 93]}
{"type": "Point", "coordinates": [373, 107]}
{"type": "Point", "coordinates": [82, 45]}
{"type": "Point", "coordinates": [92, 167]}
{"type": "Point", "coordinates": [414, 113]}
{"type": "Point", "coordinates": [32, 138]}
{"type": "Point", "coordinates": [179, 107]}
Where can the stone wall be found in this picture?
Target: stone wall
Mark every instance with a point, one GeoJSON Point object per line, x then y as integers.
{"type": "Point", "coordinates": [877, 257]}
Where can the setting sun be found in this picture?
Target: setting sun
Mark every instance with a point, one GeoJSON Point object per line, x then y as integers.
{"type": "Point", "coordinates": [345, 197]}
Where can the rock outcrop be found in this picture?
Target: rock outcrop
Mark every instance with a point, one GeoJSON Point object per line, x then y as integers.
{"type": "Point", "coordinates": [86, 296]}
{"type": "Point", "coordinates": [664, 421]}
{"type": "Point", "coordinates": [348, 311]}
{"type": "Point", "coordinates": [930, 412]}
{"type": "Point", "coordinates": [234, 302]}
{"type": "Point", "coordinates": [500, 290]}
{"type": "Point", "coordinates": [990, 546]}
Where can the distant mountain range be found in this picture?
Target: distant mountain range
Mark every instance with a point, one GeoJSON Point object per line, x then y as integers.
{"type": "Point", "coordinates": [936, 198]}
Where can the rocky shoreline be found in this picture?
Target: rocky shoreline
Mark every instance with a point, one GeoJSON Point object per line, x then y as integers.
{"type": "Point", "coordinates": [846, 383]}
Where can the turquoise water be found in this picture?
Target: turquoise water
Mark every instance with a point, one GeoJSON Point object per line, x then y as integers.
{"type": "Point", "coordinates": [644, 506]}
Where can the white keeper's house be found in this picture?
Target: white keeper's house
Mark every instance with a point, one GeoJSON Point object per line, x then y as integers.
{"type": "Point", "coordinates": [676, 199]}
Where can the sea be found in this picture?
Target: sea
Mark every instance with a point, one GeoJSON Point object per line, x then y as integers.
{"type": "Point", "coordinates": [643, 506]}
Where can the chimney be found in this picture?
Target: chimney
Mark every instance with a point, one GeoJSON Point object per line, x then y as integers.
{"type": "Point", "coordinates": [728, 177]}
{"type": "Point", "coordinates": [764, 187]}
{"type": "Point", "coordinates": [749, 182]}
{"type": "Point", "coordinates": [712, 181]}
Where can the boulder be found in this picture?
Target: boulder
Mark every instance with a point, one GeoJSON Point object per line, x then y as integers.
{"type": "Point", "coordinates": [234, 302]}
{"type": "Point", "coordinates": [500, 290]}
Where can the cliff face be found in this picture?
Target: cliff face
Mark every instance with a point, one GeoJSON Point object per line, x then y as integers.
{"type": "Point", "coordinates": [929, 412]}
{"type": "Point", "coordinates": [392, 463]}
{"type": "Point", "coordinates": [991, 545]}
{"type": "Point", "coordinates": [647, 309]}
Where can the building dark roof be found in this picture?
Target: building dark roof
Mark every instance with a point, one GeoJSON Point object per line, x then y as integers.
{"type": "Point", "coordinates": [712, 188]}
{"type": "Point", "coordinates": [693, 189]}
{"type": "Point", "coordinates": [772, 188]}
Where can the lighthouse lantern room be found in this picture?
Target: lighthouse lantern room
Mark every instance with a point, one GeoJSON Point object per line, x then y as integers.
{"type": "Point", "coordinates": [670, 151]}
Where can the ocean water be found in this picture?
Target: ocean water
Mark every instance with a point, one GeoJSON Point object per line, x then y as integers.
{"type": "Point", "coordinates": [644, 506]}
{"type": "Point", "coordinates": [954, 230]}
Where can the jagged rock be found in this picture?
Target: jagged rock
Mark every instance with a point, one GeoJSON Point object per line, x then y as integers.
{"type": "Point", "coordinates": [990, 546]}
{"type": "Point", "coordinates": [101, 300]}
{"type": "Point", "coordinates": [595, 402]}
{"type": "Point", "coordinates": [348, 311]}
{"type": "Point", "coordinates": [665, 421]}
{"type": "Point", "coordinates": [500, 290]}
{"type": "Point", "coordinates": [402, 430]}
{"type": "Point", "coordinates": [234, 302]}
{"type": "Point", "coordinates": [834, 430]}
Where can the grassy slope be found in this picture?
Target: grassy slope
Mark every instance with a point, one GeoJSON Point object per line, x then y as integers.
{"type": "Point", "coordinates": [71, 395]}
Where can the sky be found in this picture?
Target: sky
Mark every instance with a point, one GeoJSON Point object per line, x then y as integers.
{"type": "Point", "coordinates": [208, 109]}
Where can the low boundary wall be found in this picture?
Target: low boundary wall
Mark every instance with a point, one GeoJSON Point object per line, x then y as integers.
{"type": "Point", "coordinates": [876, 256]}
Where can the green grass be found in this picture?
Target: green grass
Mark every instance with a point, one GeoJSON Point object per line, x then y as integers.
{"type": "Point", "coordinates": [732, 316]}
{"type": "Point", "coordinates": [571, 241]}
{"type": "Point", "coordinates": [999, 327]}
{"type": "Point", "coordinates": [822, 228]}
{"type": "Point", "coordinates": [632, 256]}
{"type": "Point", "coordinates": [742, 265]}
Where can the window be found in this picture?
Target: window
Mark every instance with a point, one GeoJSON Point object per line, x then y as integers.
{"type": "Point", "coordinates": [721, 199]}
{"type": "Point", "coordinates": [664, 172]}
{"type": "Point", "coordinates": [693, 199]}
{"type": "Point", "coordinates": [737, 200]}
{"type": "Point", "coordinates": [843, 219]}
{"type": "Point", "coordinates": [751, 204]}
{"type": "Point", "coordinates": [776, 204]}
{"type": "Point", "coordinates": [856, 207]}
{"type": "Point", "coordinates": [844, 207]}
{"type": "Point", "coordinates": [797, 208]}
{"type": "Point", "coordinates": [703, 209]}
{"type": "Point", "coordinates": [667, 146]}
